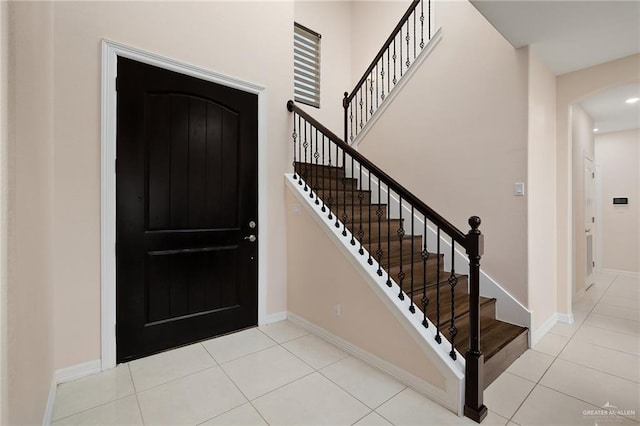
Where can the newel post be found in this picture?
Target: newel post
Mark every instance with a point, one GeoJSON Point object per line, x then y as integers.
{"type": "Point", "coordinates": [474, 407]}
{"type": "Point", "coordinates": [345, 105]}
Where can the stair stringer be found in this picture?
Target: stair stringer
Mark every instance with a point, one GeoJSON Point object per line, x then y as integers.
{"type": "Point", "coordinates": [508, 308]}
{"type": "Point", "coordinates": [451, 397]}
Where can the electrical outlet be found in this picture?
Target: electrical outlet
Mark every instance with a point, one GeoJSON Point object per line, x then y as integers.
{"type": "Point", "coordinates": [337, 309]}
{"type": "Point", "coordinates": [296, 209]}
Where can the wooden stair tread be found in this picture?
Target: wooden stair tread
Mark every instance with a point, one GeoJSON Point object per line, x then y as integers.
{"type": "Point", "coordinates": [494, 335]}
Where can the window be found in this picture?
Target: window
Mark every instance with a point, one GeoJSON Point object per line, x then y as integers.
{"type": "Point", "coordinates": [306, 65]}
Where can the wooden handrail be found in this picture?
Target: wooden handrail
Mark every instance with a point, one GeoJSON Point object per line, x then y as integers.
{"type": "Point", "coordinates": [386, 45]}
{"type": "Point", "coordinates": [431, 214]}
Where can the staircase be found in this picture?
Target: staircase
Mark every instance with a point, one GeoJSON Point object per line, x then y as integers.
{"type": "Point", "coordinates": [410, 244]}
{"type": "Point", "coordinates": [403, 260]}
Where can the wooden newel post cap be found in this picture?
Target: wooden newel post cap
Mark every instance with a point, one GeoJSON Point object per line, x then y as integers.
{"type": "Point", "coordinates": [474, 223]}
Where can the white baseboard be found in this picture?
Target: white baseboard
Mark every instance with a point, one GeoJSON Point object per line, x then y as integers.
{"type": "Point", "coordinates": [77, 371]}
{"type": "Point", "coordinates": [68, 374]}
{"type": "Point", "coordinates": [565, 318]}
{"type": "Point", "coordinates": [48, 412]}
{"type": "Point", "coordinates": [271, 318]}
{"type": "Point", "coordinates": [540, 332]}
{"type": "Point", "coordinates": [427, 389]}
{"type": "Point", "coordinates": [621, 272]}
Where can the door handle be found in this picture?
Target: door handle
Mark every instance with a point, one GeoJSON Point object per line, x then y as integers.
{"type": "Point", "coordinates": [587, 230]}
{"type": "Point", "coordinates": [252, 238]}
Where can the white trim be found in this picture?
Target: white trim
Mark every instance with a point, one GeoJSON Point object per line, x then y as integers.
{"type": "Point", "coordinates": [537, 334]}
{"type": "Point", "coordinates": [555, 318]}
{"type": "Point", "coordinates": [110, 51]}
{"type": "Point", "coordinates": [271, 318]}
{"type": "Point", "coordinates": [630, 274]}
{"type": "Point", "coordinates": [78, 371]}
{"type": "Point", "coordinates": [427, 389]}
{"type": "Point", "coordinates": [508, 308]}
{"type": "Point", "coordinates": [48, 411]}
{"type": "Point", "coordinates": [437, 354]}
{"type": "Point", "coordinates": [64, 375]}
{"type": "Point", "coordinates": [431, 45]}
{"type": "Point", "coordinates": [565, 318]}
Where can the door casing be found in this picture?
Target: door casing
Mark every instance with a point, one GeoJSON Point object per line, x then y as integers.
{"type": "Point", "coordinates": [110, 51]}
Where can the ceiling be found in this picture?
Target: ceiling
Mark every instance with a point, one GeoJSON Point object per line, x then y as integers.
{"type": "Point", "coordinates": [569, 35]}
{"type": "Point", "coordinates": [609, 111]}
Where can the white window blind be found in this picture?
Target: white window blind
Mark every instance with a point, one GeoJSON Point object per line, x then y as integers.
{"type": "Point", "coordinates": [306, 65]}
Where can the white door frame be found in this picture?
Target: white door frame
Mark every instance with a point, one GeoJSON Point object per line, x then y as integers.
{"type": "Point", "coordinates": [110, 52]}
{"type": "Point", "coordinates": [586, 157]}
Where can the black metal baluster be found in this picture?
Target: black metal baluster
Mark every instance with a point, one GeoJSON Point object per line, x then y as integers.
{"type": "Point", "coordinates": [388, 68]}
{"type": "Point", "coordinates": [412, 308]}
{"type": "Point", "coordinates": [438, 338]}
{"type": "Point", "coordinates": [360, 197]}
{"type": "Point", "coordinates": [425, 258]}
{"type": "Point", "coordinates": [414, 35]}
{"type": "Point", "coordinates": [295, 138]}
{"type": "Point", "coordinates": [324, 209]}
{"type": "Point", "coordinates": [366, 100]}
{"type": "Point", "coordinates": [300, 151]}
{"type": "Point", "coordinates": [382, 76]}
{"type": "Point", "coordinates": [361, 102]}
{"type": "Point", "coordinates": [453, 280]}
{"type": "Point", "coordinates": [389, 284]}
{"type": "Point", "coordinates": [421, 24]}
{"type": "Point", "coordinates": [379, 214]}
{"type": "Point", "coordinates": [401, 237]}
{"type": "Point", "coordinates": [316, 157]}
{"type": "Point", "coordinates": [395, 80]}
{"type": "Point", "coordinates": [429, 17]}
{"type": "Point", "coordinates": [371, 97]}
{"type": "Point", "coordinates": [330, 201]}
{"type": "Point", "coordinates": [306, 165]}
{"type": "Point", "coordinates": [408, 38]}
{"type": "Point", "coordinates": [369, 206]}
{"type": "Point", "coordinates": [345, 217]}
{"type": "Point", "coordinates": [377, 88]}
{"type": "Point", "coordinates": [351, 121]}
{"type": "Point", "coordinates": [401, 63]}
{"type": "Point", "coordinates": [337, 193]}
{"type": "Point", "coordinates": [353, 204]}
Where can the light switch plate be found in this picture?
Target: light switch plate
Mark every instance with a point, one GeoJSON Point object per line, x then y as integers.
{"type": "Point", "coordinates": [518, 189]}
{"type": "Point", "coordinates": [296, 209]}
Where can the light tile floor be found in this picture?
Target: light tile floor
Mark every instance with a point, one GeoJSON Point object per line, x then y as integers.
{"type": "Point", "coordinates": [280, 374]}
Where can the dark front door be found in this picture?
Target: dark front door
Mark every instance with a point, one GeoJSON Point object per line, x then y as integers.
{"type": "Point", "coordinates": [187, 196]}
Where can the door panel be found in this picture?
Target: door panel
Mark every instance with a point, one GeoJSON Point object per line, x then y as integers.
{"type": "Point", "coordinates": [186, 191]}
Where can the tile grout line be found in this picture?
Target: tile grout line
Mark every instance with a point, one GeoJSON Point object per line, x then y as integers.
{"type": "Point", "coordinates": [558, 355]}
{"type": "Point", "coordinates": [135, 392]}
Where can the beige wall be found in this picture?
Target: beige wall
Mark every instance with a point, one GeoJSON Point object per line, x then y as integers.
{"type": "Point", "coordinates": [246, 40]}
{"type": "Point", "coordinates": [618, 157]}
{"type": "Point", "coordinates": [464, 144]}
{"type": "Point", "coordinates": [541, 195]}
{"type": "Point", "coordinates": [4, 178]}
{"type": "Point", "coordinates": [572, 88]}
{"type": "Point", "coordinates": [30, 343]}
{"type": "Point", "coordinates": [582, 139]}
{"type": "Point", "coordinates": [332, 19]}
{"type": "Point", "coordinates": [365, 320]}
